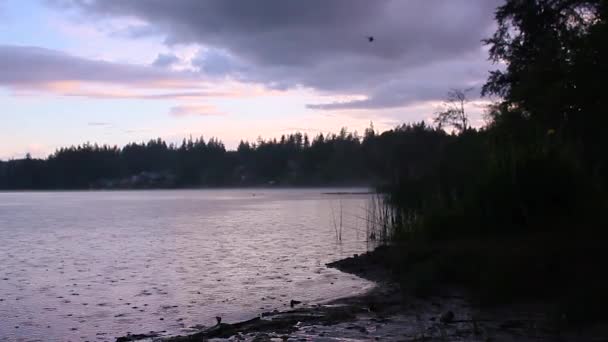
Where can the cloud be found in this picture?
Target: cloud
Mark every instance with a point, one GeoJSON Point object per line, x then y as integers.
{"type": "Point", "coordinates": [24, 66]}
{"type": "Point", "coordinates": [418, 53]}
{"type": "Point", "coordinates": [135, 31]}
{"type": "Point", "coordinates": [29, 71]}
{"type": "Point", "coordinates": [424, 83]}
{"type": "Point", "coordinates": [165, 60]}
{"type": "Point", "coordinates": [129, 94]}
{"type": "Point", "coordinates": [214, 62]}
{"type": "Point", "coordinates": [198, 110]}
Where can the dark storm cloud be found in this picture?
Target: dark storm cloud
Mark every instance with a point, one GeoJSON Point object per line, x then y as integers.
{"type": "Point", "coordinates": [322, 44]}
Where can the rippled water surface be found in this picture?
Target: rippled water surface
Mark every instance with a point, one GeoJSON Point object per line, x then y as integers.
{"type": "Point", "coordinates": [97, 265]}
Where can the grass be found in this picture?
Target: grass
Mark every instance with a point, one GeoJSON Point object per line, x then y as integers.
{"type": "Point", "coordinates": [337, 226]}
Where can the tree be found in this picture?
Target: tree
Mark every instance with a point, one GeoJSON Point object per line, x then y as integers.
{"type": "Point", "coordinates": [553, 74]}
{"type": "Point", "coordinates": [453, 113]}
{"type": "Point", "coordinates": [369, 133]}
{"type": "Point", "coordinates": [554, 53]}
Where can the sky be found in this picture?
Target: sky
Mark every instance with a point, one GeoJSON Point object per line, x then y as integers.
{"type": "Point", "coordinates": [120, 71]}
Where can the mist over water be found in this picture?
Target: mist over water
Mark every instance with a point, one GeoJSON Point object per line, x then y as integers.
{"type": "Point", "coordinates": [97, 265]}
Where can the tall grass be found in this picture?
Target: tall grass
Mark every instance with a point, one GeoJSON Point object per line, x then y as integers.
{"type": "Point", "coordinates": [498, 192]}
{"type": "Point", "coordinates": [338, 226]}
{"type": "Point", "coordinates": [386, 222]}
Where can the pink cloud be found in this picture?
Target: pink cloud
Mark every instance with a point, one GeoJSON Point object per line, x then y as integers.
{"type": "Point", "coordinates": [201, 110]}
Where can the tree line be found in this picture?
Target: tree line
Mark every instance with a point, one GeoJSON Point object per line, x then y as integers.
{"type": "Point", "coordinates": [345, 158]}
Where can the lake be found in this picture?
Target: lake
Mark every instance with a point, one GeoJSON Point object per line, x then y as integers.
{"type": "Point", "coordinates": [98, 265]}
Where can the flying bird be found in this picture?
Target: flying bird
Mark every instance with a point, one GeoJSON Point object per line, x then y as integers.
{"type": "Point", "coordinates": [370, 39]}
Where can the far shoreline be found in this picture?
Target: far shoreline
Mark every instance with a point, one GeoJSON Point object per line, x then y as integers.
{"type": "Point", "coordinates": [370, 189]}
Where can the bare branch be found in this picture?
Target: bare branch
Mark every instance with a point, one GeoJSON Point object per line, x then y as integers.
{"type": "Point", "coordinates": [453, 113]}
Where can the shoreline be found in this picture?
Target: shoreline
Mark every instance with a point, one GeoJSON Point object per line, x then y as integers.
{"type": "Point", "coordinates": [388, 313]}
{"type": "Point", "coordinates": [282, 324]}
{"type": "Point", "coordinates": [368, 185]}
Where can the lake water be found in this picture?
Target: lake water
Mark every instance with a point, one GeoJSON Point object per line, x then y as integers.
{"type": "Point", "coordinates": [98, 265]}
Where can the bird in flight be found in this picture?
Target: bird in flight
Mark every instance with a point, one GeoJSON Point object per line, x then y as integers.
{"type": "Point", "coordinates": [370, 39]}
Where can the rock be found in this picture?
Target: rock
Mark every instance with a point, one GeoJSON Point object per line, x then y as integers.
{"type": "Point", "coordinates": [136, 337]}
{"type": "Point", "coordinates": [447, 317]}
{"type": "Point", "coordinates": [294, 303]}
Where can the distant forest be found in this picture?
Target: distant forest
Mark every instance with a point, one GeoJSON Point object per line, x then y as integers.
{"type": "Point", "coordinates": [293, 160]}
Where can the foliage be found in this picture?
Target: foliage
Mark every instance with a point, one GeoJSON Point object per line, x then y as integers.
{"type": "Point", "coordinates": [295, 159]}
{"type": "Point", "coordinates": [555, 53]}
{"type": "Point", "coordinates": [539, 165]}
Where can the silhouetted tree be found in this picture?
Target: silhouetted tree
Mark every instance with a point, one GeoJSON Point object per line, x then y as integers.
{"type": "Point", "coordinates": [453, 113]}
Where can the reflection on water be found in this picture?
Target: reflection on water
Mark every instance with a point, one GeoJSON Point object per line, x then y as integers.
{"type": "Point", "coordinates": [97, 265]}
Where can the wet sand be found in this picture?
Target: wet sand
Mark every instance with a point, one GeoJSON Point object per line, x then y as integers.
{"type": "Point", "coordinates": [386, 313]}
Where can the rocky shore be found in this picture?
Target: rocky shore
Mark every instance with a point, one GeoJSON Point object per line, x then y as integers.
{"type": "Point", "coordinates": [388, 313]}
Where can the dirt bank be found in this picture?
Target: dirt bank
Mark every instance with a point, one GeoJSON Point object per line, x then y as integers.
{"type": "Point", "coordinates": [387, 313]}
